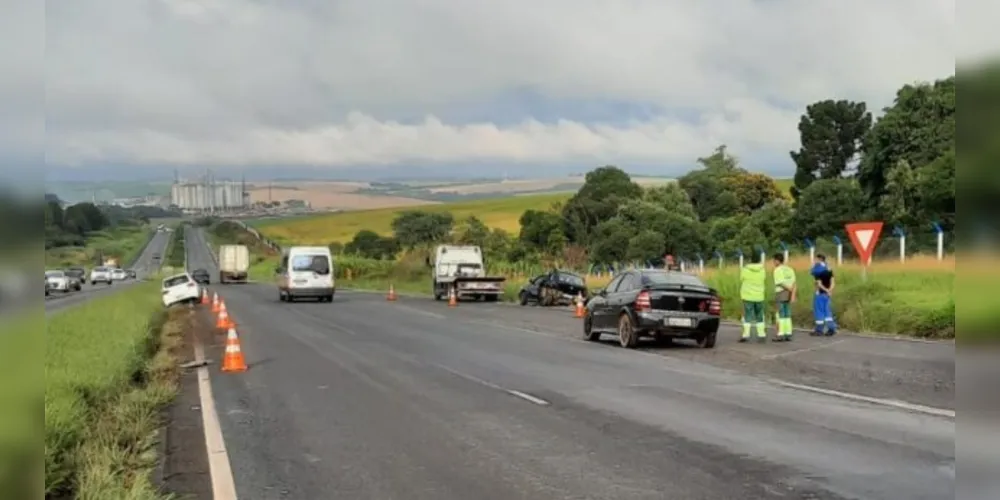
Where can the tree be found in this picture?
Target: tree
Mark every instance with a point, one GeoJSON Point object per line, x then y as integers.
{"type": "Point", "coordinates": [414, 228]}
{"type": "Point", "coordinates": [711, 188]}
{"type": "Point", "coordinates": [831, 134]}
{"type": "Point", "coordinates": [609, 242]}
{"type": "Point", "coordinates": [751, 190]}
{"type": "Point", "coordinates": [672, 198]}
{"type": "Point", "coordinates": [774, 221]}
{"type": "Point", "coordinates": [825, 206]}
{"type": "Point", "coordinates": [646, 246]}
{"type": "Point", "coordinates": [471, 231]}
{"type": "Point", "coordinates": [537, 228]}
{"type": "Point", "coordinates": [597, 200]}
{"type": "Point", "coordinates": [919, 127]}
{"type": "Point", "coordinates": [899, 201]}
{"type": "Point", "coordinates": [371, 245]}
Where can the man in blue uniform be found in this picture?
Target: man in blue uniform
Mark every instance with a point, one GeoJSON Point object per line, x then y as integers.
{"type": "Point", "coordinates": [822, 308]}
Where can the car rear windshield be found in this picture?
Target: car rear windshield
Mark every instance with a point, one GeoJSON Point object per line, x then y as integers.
{"type": "Point", "coordinates": [570, 279]}
{"type": "Point", "coordinates": [175, 280]}
{"type": "Point", "coordinates": [668, 278]}
{"type": "Point", "coordinates": [100, 270]}
{"type": "Point", "coordinates": [319, 264]}
{"type": "Point", "coordinates": [54, 274]}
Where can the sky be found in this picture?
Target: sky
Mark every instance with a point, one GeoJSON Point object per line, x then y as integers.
{"type": "Point", "coordinates": [454, 87]}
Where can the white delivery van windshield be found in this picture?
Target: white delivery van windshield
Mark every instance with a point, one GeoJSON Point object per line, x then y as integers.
{"type": "Point", "coordinates": [319, 264]}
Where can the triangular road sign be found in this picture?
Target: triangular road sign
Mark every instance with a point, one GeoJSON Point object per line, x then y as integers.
{"type": "Point", "coordinates": [864, 237]}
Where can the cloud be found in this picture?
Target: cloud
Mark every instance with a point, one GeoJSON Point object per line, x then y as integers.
{"type": "Point", "coordinates": [382, 82]}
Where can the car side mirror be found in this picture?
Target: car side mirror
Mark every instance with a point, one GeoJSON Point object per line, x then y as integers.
{"type": "Point", "coordinates": [427, 261]}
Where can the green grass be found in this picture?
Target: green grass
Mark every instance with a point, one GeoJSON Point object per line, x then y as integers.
{"type": "Point", "coordinates": [500, 213]}
{"type": "Point", "coordinates": [124, 243]}
{"type": "Point", "coordinates": [22, 346]}
{"type": "Point", "coordinates": [108, 371]}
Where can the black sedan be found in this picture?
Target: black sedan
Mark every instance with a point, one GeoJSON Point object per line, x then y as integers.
{"type": "Point", "coordinates": [78, 275]}
{"type": "Point", "coordinates": [654, 303]}
{"type": "Point", "coordinates": [553, 288]}
{"type": "Point", "coordinates": [201, 276]}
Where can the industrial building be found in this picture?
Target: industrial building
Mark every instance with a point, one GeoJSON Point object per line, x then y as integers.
{"type": "Point", "coordinates": [209, 194]}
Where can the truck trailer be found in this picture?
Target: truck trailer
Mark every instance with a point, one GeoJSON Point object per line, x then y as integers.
{"type": "Point", "coordinates": [460, 269]}
{"type": "Point", "coordinates": [234, 263]}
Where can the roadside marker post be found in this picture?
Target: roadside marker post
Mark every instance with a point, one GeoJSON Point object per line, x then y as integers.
{"type": "Point", "coordinates": [864, 236]}
{"type": "Point", "coordinates": [812, 249]}
{"type": "Point", "coordinates": [739, 253]}
{"type": "Point", "coordinates": [784, 250]}
{"type": "Point", "coordinates": [722, 259]}
{"type": "Point", "coordinates": [899, 233]}
{"type": "Point", "coordinates": [940, 240]}
{"type": "Point", "coordinates": [840, 250]}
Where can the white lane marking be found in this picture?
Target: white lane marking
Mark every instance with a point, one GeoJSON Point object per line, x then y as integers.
{"type": "Point", "coordinates": [421, 312]}
{"type": "Point", "coordinates": [523, 395]}
{"type": "Point", "coordinates": [528, 397]}
{"type": "Point", "coordinates": [219, 469]}
{"type": "Point", "coordinates": [902, 405]}
{"type": "Point", "coordinates": [803, 350]}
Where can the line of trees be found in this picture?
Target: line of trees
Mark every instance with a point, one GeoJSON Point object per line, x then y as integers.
{"type": "Point", "coordinates": [899, 169]}
{"type": "Point", "coordinates": [70, 225]}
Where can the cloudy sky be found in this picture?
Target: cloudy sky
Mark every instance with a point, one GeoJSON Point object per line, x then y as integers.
{"type": "Point", "coordinates": [522, 84]}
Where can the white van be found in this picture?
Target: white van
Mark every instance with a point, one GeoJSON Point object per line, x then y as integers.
{"type": "Point", "coordinates": [306, 272]}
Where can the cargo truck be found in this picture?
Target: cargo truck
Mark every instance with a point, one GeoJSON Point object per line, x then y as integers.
{"type": "Point", "coordinates": [460, 269]}
{"type": "Point", "coordinates": [234, 263]}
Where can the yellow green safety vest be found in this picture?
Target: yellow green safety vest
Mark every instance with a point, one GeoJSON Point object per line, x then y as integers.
{"type": "Point", "coordinates": [753, 280]}
{"type": "Point", "coordinates": [783, 275]}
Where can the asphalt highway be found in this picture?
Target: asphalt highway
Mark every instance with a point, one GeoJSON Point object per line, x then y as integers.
{"type": "Point", "coordinates": [365, 398]}
{"type": "Point", "coordinates": [144, 267]}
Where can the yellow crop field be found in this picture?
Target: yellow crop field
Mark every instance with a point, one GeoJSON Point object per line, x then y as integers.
{"type": "Point", "coordinates": [498, 213]}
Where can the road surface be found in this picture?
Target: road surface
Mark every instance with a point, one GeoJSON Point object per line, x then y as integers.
{"type": "Point", "coordinates": [144, 267]}
{"type": "Point", "coordinates": [363, 398]}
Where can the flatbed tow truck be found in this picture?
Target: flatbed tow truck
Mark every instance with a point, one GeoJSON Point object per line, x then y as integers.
{"type": "Point", "coordinates": [460, 269]}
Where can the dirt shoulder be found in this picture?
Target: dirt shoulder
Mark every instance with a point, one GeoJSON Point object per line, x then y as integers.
{"type": "Point", "coordinates": [184, 469]}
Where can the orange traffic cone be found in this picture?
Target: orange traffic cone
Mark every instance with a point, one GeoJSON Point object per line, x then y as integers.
{"type": "Point", "coordinates": [232, 360]}
{"type": "Point", "coordinates": [452, 299]}
{"type": "Point", "coordinates": [222, 320]}
{"type": "Point", "coordinates": [215, 302]}
{"type": "Point", "coordinates": [392, 293]}
{"type": "Point", "coordinates": [204, 296]}
{"type": "Point", "coordinates": [579, 306]}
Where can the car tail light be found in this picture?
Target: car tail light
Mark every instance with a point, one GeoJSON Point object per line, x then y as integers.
{"type": "Point", "coordinates": [715, 306]}
{"type": "Point", "coordinates": [642, 302]}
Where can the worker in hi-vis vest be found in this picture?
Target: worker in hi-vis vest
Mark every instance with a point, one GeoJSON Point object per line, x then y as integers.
{"type": "Point", "coordinates": [784, 295]}
{"type": "Point", "coordinates": [753, 281]}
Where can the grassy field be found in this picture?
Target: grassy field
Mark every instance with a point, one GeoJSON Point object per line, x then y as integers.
{"type": "Point", "coordinates": [124, 243]}
{"type": "Point", "coordinates": [501, 213]}
{"type": "Point", "coordinates": [109, 369]}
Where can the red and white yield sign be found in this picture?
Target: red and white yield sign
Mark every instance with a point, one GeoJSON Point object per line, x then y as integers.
{"type": "Point", "coordinates": [864, 237]}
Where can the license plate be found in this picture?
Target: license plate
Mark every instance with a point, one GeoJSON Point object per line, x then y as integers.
{"type": "Point", "coordinates": [300, 282]}
{"type": "Point", "coordinates": [681, 322]}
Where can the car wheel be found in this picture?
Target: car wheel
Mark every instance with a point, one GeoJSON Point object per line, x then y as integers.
{"type": "Point", "coordinates": [588, 329]}
{"type": "Point", "coordinates": [707, 340]}
{"type": "Point", "coordinates": [627, 336]}
{"type": "Point", "coordinates": [329, 298]}
{"type": "Point", "coordinates": [92, 283]}
{"type": "Point", "coordinates": [281, 296]}
{"type": "Point", "coordinates": [523, 298]}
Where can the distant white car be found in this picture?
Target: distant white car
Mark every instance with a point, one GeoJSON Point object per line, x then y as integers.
{"type": "Point", "coordinates": [58, 281]}
{"type": "Point", "coordinates": [118, 274]}
{"type": "Point", "coordinates": [100, 274]}
{"type": "Point", "coordinates": [180, 288]}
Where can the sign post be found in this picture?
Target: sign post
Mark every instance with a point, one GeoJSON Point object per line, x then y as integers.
{"type": "Point", "coordinates": [864, 237]}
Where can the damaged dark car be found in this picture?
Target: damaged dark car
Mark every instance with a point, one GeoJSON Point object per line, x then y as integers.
{"type": "Point", "coordinates": [554, 288]}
